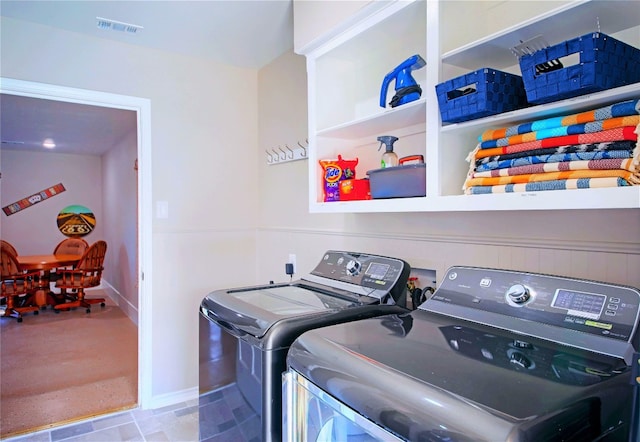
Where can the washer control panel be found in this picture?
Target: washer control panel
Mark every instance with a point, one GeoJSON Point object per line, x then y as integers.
{"type": "Point", "coordinates": [376, 272]}
{"type": "Point", "coordinates": [596, 308]}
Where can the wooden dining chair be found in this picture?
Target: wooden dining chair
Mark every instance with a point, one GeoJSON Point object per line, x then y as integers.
{"type": "Point", "coordinates": [87, 273]}
{"type": "Point", "coordinates": [7, 245]}
{"type": "Point", "coordinates": [68, 246]}
{"type": "Point", "coordinates": [71, 246]}
{"type": "Point", "coordinates": [17, 287]}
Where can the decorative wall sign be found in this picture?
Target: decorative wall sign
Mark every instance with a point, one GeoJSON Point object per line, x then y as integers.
{"type": "Point", "coordinates": [76, 221]}
{"type": "Point", "coordinates": [33, 199]}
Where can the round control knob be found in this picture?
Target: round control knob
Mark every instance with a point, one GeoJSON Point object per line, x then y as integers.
{"type": "Point", "coordinates": [520, 361]}
{"type": "Point", "coordinates": [353, 267]}
{"type": "Point", "coordinates": [518, 294]}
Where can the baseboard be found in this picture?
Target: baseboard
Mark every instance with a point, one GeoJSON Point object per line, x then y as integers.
{"type": "Point", "coordinates": [166, 400]}
{"type": "Point", "coordinates": [129, 309]}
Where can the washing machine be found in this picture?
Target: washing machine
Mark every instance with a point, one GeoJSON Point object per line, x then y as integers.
{"type": "Point", "coordinates": [492, 355]}
{"type": "Point", "coordinates": [245, 334]}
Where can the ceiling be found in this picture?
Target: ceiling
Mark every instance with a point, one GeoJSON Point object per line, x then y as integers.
{"type": "Point", "coordinates": [75, 128]}
{"type": "Point", "coordinates": [243, 33]}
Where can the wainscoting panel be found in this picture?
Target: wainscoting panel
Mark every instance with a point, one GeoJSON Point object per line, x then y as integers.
{"type": "Point", "coordinates": [598, 260]}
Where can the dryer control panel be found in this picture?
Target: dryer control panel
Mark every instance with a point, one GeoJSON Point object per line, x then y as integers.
{"type": "Point", "coordinates": [550, 307]}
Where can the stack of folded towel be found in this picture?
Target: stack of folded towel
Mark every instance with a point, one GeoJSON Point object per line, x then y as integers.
{"type": "Point", "coordinates": [597, 148]}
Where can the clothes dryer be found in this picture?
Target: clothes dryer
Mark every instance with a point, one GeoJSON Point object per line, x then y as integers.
{"type": "Point", "coordinates": [493, 355]}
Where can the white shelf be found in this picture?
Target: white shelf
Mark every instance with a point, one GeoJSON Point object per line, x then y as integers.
{"type": "Point", "coordinates": [387, 120]}
{"type": "Point", "coordinates": [576, 199]}
{"type": "Point", "coordinates": [345, 72]}
{"type": "Point", "coordinates": [569, 21]}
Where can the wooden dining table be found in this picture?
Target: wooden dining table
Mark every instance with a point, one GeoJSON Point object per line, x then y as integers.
{"type": "Point", "coordinates": [46, 263]}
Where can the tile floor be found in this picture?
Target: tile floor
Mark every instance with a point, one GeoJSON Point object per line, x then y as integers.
{"type": "Point", "coordinates": [177, 423]}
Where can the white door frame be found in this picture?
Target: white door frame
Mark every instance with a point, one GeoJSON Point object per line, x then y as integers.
{"type": "Point", "coordinates": [142, 107]}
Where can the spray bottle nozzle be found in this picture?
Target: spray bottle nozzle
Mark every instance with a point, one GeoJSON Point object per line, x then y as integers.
{"type": "Point", "coordinates": [388, 141]}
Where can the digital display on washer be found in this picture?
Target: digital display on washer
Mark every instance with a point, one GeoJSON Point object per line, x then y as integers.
{"type": "Point", "coordinates": [587, 305]}
{"type": "Point", "coordinates": [377, 270]}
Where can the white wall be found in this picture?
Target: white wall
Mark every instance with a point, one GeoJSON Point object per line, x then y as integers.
{"type": "Point", "coordinates": [312, 18]}
{"type": "Point", "coordinates": [593, 244]}
{"type": "Point", "coordinates": [120, 202]}
{"type": "Point", "coordinates": [204, 138]}
{"type": "Point", "coordinates": [34, 231]}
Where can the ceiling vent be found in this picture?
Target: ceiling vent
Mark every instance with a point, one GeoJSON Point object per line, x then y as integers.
{"type": "Point", "coordinates": [114, 25]}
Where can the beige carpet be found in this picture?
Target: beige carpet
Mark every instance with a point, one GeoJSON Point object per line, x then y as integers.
{"type": "Point", "coordinates": [57, 368]}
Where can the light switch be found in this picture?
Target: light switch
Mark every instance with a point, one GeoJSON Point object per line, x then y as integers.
{"type": "Point", "coordinates": [162, 209]}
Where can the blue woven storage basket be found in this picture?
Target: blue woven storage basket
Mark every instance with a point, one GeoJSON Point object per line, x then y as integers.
{"type": "Point", "coordinates": [495, 92]}
{"type": "Point", "coordinates": [605, 63]}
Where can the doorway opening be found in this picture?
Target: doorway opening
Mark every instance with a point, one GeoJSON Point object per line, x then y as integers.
{"type": "Point", "coordinates": [142, 108]}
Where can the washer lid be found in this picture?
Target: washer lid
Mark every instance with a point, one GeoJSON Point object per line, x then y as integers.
{"type": "Point", "coordinates": [254, 310]}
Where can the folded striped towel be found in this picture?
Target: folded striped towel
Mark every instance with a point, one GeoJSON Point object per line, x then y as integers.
{"type": "Point", "coordinates": [609, 164]}
{"type": "Point", "coordinates": [622, 109]}
{"type": "Point", "coordinates": [630, 177]}
{"type": "Point", "coordinates": [612, 149]}
{"type": "Point", "coordinates": [582, 183]}
{"type": "Point", "coordinates": [584, 128]}
{"type": "Point", "coordinates": [619, 134]}
{"type": "Point", "coordinates": [601, 157]}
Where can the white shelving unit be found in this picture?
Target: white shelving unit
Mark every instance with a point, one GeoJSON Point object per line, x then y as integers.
{"type": "Point", "coordinates": [346, 70]}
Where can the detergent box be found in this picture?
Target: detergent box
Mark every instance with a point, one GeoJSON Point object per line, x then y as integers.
{"type": "Point", "coordinates": [334, 172]}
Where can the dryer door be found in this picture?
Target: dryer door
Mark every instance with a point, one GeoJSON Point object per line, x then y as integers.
{"type": "Point", "coordinates": [310, 414]}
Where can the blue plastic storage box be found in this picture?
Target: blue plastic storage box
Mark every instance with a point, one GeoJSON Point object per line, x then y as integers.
{"type": "Point", "coordinates": [480, 94]}
{"type": "Point", "coordinates": [402, 181]}
{"type": "Point", "coordinates": [605, 63]}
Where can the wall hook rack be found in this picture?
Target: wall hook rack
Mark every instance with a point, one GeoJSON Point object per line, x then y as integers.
{"type": "Point", "coordinates": [282, 154]}
{"type": "Point", "coordinates": [279, 155]}
{"type": "Point", "coordinates": [270, 158]}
